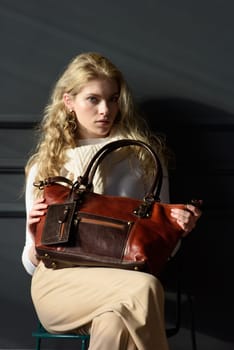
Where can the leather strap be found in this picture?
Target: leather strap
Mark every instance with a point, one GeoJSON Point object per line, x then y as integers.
{"type": "Point", "coordinates": [52, 180]}
{"type": "Point", "coordinates": [87, 179]}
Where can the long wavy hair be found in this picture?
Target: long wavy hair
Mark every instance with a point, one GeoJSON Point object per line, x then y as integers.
{"type": "Point", "coordinates": [59, 130]}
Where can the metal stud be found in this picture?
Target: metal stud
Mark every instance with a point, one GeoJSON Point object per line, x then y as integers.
{"type": "Point", "coordinates": [53, 265]}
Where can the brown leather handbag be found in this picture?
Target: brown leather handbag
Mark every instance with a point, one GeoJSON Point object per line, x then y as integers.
{"type": "Point", "coordinates": [83, 228]}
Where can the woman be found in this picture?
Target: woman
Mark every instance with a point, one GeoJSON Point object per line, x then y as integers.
{"type": "Point", "coordinates": [90, 106]}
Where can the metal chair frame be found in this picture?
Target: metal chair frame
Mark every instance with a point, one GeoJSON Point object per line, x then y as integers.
{"type": "Point", "coordinates": [41, 333]}
{"type": "Point", "coordinates": [170, 332]}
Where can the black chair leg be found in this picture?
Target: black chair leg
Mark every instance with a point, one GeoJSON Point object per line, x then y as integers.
{"type": "Point", "coordinates": [38, 343]}
{"type": "Point", "coordinates": [192, 323]}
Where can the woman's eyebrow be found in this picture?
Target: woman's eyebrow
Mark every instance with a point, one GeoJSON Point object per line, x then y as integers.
{"type": "Point", "coordinates": [98, 95]}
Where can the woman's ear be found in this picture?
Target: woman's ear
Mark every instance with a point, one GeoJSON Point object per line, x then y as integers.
{"type": "Point", "coordinates": [68, 101]}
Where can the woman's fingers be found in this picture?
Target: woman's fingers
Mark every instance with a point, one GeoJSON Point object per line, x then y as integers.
{"type": "Point", "coordinates": [186, 218]}
{"type": "Point", "coordinates": [193, 210]}
{"type": "Point", "coordinates": [38, 210]}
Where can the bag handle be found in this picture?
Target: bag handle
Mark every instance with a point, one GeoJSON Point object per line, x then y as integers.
{"type": "Point", "coordinates": [52, 180]}
{"type": "Point", "coordinates": [87, 179]}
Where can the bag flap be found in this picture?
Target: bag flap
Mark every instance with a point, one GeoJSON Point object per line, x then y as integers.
{"type": "Point", "coordinates": [58, 223]}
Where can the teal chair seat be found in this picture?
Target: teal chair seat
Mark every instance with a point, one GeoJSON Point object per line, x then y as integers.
{"type": "Point", "coordinates": [41, 333]}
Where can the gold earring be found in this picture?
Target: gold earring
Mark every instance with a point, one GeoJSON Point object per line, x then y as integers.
{"type": "Point", "coordinates": [72, 113]}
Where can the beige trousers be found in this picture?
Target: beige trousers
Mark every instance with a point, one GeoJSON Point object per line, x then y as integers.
{"type": "Point", "coordinates": [107, 331]}
{"type": "Point", "coordinates": [121, 309]}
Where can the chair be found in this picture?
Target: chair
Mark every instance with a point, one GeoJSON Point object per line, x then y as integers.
{"type": "Point", "coordinates": [172, 331]}
{"type": "Point", "coordinates": [41, 333]}
{"type": "Point", "coordinates": [172, 276]}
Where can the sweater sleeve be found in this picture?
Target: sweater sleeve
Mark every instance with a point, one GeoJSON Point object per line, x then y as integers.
{"type": "Point", "coordinates": [29, 240]}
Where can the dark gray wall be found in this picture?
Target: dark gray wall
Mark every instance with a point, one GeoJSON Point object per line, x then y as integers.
{"type": "Point", "coordinates": [178, 59]}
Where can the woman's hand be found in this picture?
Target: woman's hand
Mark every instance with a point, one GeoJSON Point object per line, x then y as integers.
{"type": "Point", "coordinates": [186, 218]}
{"type": "Point", "coordinates": [35, 214]}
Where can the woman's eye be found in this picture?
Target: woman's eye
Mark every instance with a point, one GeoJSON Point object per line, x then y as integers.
{"type": "Point", "coordinates": [115, 98]}
{"type": "Point", "coordinates": [93, 99]}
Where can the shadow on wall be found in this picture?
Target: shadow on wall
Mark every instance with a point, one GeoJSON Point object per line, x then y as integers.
{"type": "Point", "coordinates": [201, 138]}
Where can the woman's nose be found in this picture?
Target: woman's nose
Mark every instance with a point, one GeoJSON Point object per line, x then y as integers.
{"type": "Point", "coordinates": [103, 108]}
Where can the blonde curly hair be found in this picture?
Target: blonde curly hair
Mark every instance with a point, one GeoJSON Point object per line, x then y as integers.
{"type": "Point", "coordinates": [58, 130]}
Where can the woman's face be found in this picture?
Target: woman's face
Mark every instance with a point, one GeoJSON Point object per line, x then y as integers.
{"type": "Point", "coordinates": [96, 107]}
